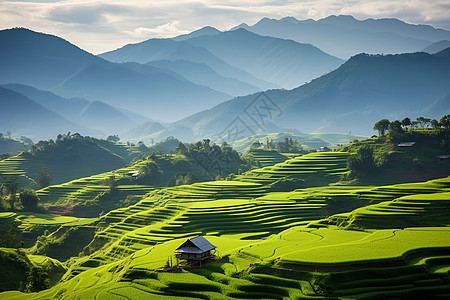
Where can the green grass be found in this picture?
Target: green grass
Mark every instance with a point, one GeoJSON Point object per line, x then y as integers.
{"type": "Point", "coordinates": [326, 167]}
{"type": "Point", "coordinates": [265, 158]}
{"type": "Point", "coordinates": [68, 160]}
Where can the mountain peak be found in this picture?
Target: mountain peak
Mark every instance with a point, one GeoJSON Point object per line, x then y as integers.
{"type": "Point", "coordinates": [242, 25]}
{"type": "Point", "coordinates": [207, 30]}
{"type": "Point", "coordinates": [333, 19]}
{"type": "Point", "coordinates": [290, 20]}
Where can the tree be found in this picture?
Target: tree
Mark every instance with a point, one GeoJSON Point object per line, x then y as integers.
{"type": "Point", "coordinates": [141, 145]}
{"type": "Point", "coordinates": [183, 179]}
{"type": "Point", "coordinates": [445, 121]}
{"type": "Point", "coordinates": [8, 133]}
{"type": "Point", "coordinates": [38, 280]}
{"type": "Point", "coordinates": [44, 177]}
{"type": "Point", "coordinates": [362, 163]}
{"type": "Point", "coordinates": [381, 126]}
{"type": "Point", "coordinates": [9, 235]}
{"type": "Point", "coordinates": [11, 186]}
{"type": "Point", "coordinates": [181, 149]}
{"type": "Point", "coordinates": [406, 122]}
{"type": "Point", "coordinates": [423, 122]}
{"type": "Point", "coordinates": [149, 172]}
{"type": "Point", "coordinates": [395, 127]}
{"type": "Point", "coordinates": [29, 199]}
{"type": "Point", "coordinates": [435, 124]}
{"type": "Point", "coordinates": [111, 183]}
{"type": "Point", "coordinates": [113, 138]}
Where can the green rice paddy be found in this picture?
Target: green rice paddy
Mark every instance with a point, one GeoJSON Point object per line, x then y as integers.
{"type": "Point", "coordinates": [328, 241]}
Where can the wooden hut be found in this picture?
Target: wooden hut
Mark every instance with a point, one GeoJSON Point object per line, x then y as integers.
{"type": "Point", "coordinates": [195, 251]}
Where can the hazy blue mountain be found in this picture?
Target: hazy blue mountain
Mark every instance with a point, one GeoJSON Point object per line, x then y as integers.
{"type": "Point", "coordinates": [202, 74]}
{"type": "Point", "coordinates": [68, 108]}
{"type": "Point", "coordinates": [284, 62]}
{"type": "Point", "coordinates": [207, 30]}
{"type": "Point", "coordinates": [97, 114]}
{"type": "Point", "coordinates": [350, 99]}
{"type": "Point", "coordinates": [155, 94]}
{"type": "Point", "coordinates": [438, 108]}
{"type": "Point", "coordinates": [38, 59]}
{"type": "Point", "coordinates": [344, 36]}
{"type": "Point", "coordinates": [51, 63]}
{"type": "Point", "coordinates": [168, 49]}
{"type": "Point", "coordinates": [104, 117]}
{"type": "Point", "coordinates": [23, 116]}
{"type": "Point", "coordinates": [437, 47]}
{"type": "Point", "coordinates": [396, 26]}
{"type": "Point", "coordinates": [144, 129]}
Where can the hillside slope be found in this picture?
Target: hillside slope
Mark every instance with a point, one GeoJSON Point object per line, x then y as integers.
{"type": "Point", "coordinates": [352, 98]}
{"type": "Point", "coordinates": [168, 49]}
{"type": "Point", "coordinates": [304, 254]}
{"type": "Point", "coordinates": [23, 116]}
{"type": "Point", "coordinates": [72, 72]}
{"type": "Point", "coordinates": [283, 62]}
{"type": "Point", "coordinates": [67, 159]}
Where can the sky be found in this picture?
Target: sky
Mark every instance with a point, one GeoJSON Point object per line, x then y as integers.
{"type": "Point", "coordinates": [98, 26]}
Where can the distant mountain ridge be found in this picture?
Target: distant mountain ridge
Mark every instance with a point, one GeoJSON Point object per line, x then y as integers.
{"type": "Point", "coordinates": [276, 61]}
{"type": "Point", "coordinates": [344, 36]}
{"type": "Point", "coordinates": [24, 116]}
{"type": "Point", "coordinates": [50, 63]}
{"type": "Point", "coordinates": [283, 62]}
{"type": "Point", "coordinates": [352, 98]}
{"type": "Point", "coordinates": [437, 47]}
{"type": "Point", "coordinates": [173, 50]}
{"type": "Point", "coordinates": [96, 115]}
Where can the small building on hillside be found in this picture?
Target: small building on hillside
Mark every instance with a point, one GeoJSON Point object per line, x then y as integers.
{"type": "Point", "coordinates": [407, 146]}
{"type": "Point", "coordinates": [133, 174]}
{"type": "Point", "coordinates": [324, 149]}
{"type": "Point", "coordinates": [195, 251]}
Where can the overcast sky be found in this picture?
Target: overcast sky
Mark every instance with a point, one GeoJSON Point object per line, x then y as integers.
{"type": "Point", "coordinates": [102, 25]}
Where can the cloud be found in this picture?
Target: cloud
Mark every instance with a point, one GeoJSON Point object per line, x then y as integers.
{"type": "Point", "coordinates": [101, 25]}
{"type": "Point", "coordinates": [169, 29]}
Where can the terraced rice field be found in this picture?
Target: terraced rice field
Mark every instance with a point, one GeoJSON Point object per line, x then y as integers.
{"type": "Point", "coordinates": [266, 158]}
{"type": "Point", "coordinates": [13, 167]}
{"type": "Point", "coordinates": [329, 165]}
{"type": "Point", "coordinates": [274, 245]}
{"type": "Point", "coordinates": [87, 188]}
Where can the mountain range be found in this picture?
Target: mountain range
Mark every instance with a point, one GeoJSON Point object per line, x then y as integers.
{"type": "Point", "coordinates": [352, 98]}
{"type": "Point", "coordinates": [344, 36]}
{"type": "Point", "coordinates": [279, 62]}
{"type": "Point", "coordinates": [23, 116]}
{"type": "Point", "coordinates": [95, 117]}
{"type": "Point", "coordinates": [208, 83]}
{"type": "Point", "coordinates": [52, 64]}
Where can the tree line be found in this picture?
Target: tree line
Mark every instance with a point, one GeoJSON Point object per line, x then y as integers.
{"type": "Point", "coordinates": [384, 125]}
{"type": "Point", "coordinates": [287, 145]}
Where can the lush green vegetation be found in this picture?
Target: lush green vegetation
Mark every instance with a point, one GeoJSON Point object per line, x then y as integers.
{"type": "Point", "coordinates": [384, 161]}
{"type": "Point", "coordinates": [295, 228]}
{"type": "Point", "coordinates": [10, 146]}
{"type": "Point", "coordinates": [310, 141]}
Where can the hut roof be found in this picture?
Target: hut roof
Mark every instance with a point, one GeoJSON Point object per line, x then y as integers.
{"type": "Point", "coordinates": [406, 144]}
{"type": "Point", "coordinates": [195, 245]}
